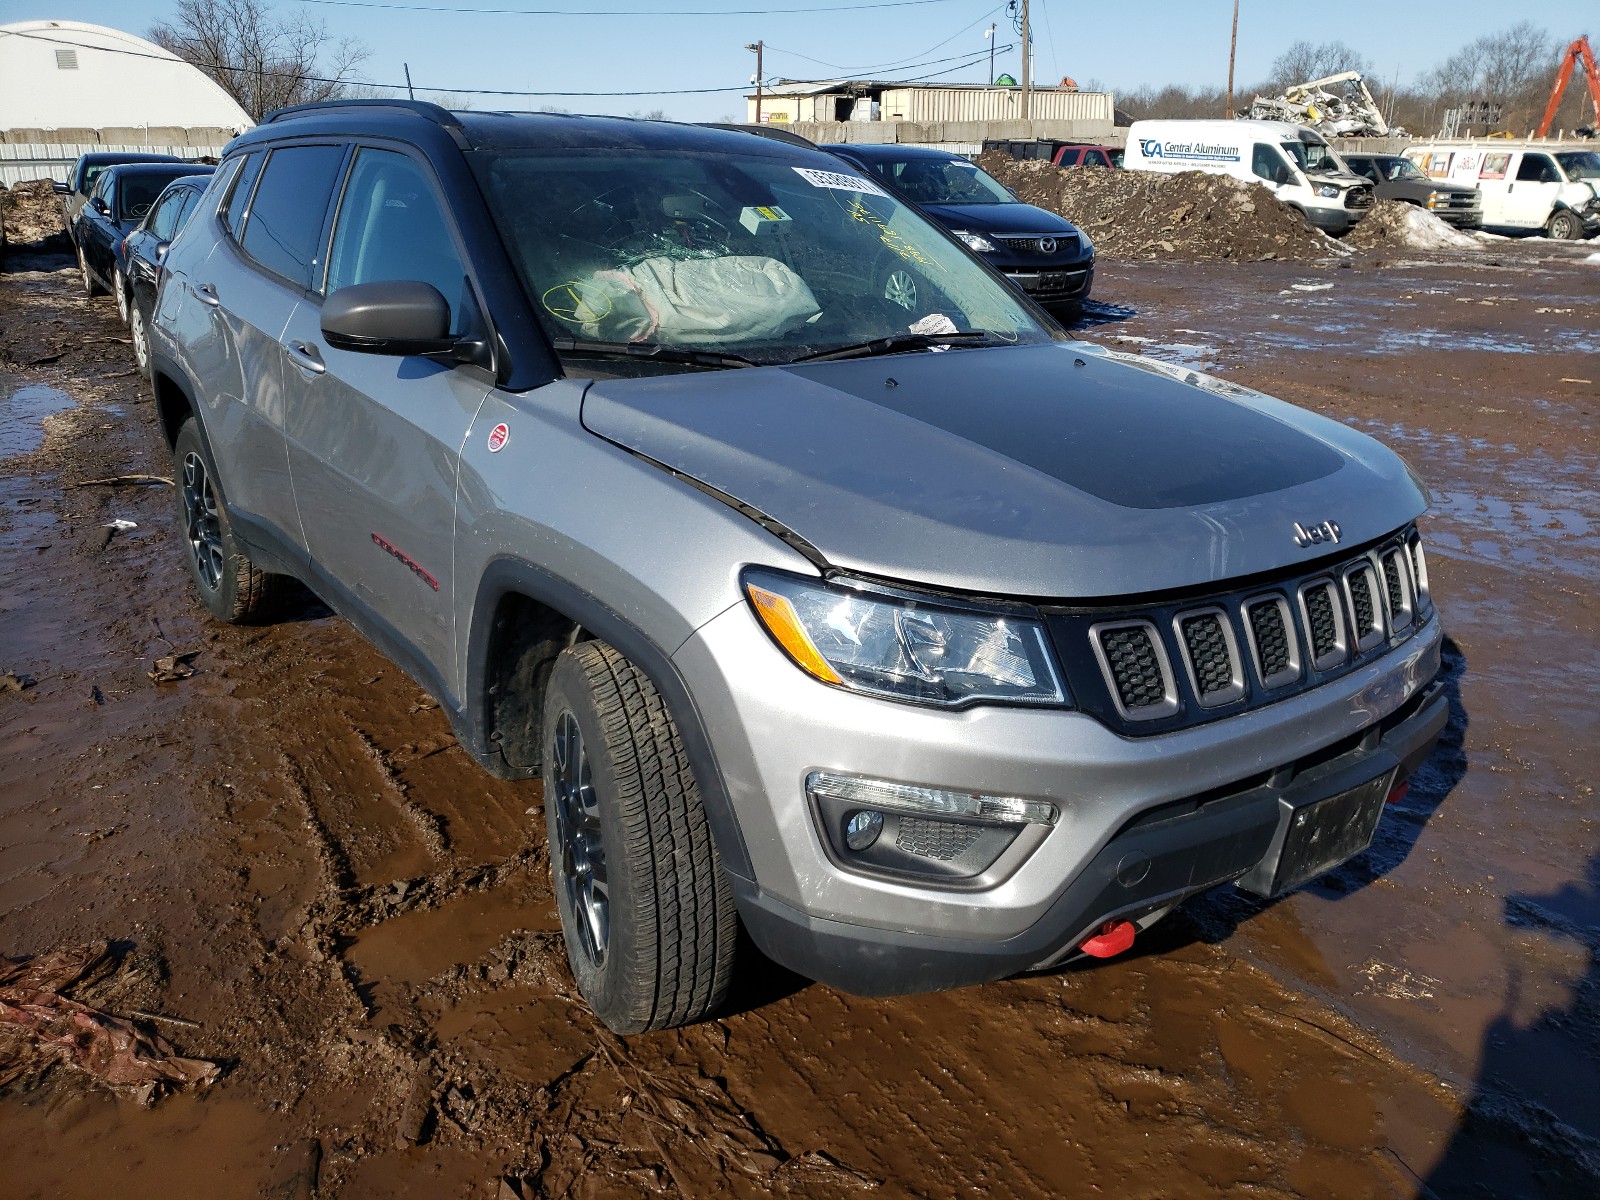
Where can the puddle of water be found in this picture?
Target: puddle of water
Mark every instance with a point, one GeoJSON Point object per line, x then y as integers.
{"type": "Point", "coordinates": [416, 946]}
{"type": "Point", "coordinates": [22, 415]}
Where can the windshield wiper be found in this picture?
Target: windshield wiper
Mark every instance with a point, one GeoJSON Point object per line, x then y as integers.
{"type": "Point", "coordinates": [653, 353]}
{"type": "Point", "coordinates": [897, 343]}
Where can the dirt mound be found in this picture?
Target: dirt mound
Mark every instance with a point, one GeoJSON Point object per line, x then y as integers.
{"type": "Point", "coordinates": [1394, 224]}
{"type": "Point", "coordinates": [31, 215]}
{"type": "Point", "coordinates": [1191, 217]}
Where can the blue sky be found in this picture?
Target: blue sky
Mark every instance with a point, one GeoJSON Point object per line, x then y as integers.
{"type": "Point", "coordinates": [1122, 47]}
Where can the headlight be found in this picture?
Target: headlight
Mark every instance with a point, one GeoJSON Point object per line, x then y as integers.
{"type": "Point", "coordinates": [1437, 198]}
{"type": "Point", "coordinates": [905, 648]}
{"type": "Point", "coordinates": [1327, 190]}
{"type": "Point", "coordinates": [975, 241]}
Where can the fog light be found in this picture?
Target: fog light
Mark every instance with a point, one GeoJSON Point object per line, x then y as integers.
{"type": "Point", "coordinates": [862, 829]}
{"type": "Point", "coordinates": [928, 801]}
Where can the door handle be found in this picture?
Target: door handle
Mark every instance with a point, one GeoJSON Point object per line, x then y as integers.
{"type": "Point", "coordinates": [306, 356]}
{"type": "Point", "coordinates": [208, 293]}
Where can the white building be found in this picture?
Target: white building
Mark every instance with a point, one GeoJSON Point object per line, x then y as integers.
{"type": "Point", "coordinates": [64, 81]}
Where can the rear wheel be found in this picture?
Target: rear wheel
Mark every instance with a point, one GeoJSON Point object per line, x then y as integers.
{"type": "Point", "coordinates": [646, 911]}
{"type": "Point", "coordinates": [119, 289]}
{"type": "Point", "coordinates": [1564, 225]}
{"type": "Point", "coordinates": [230, 585]}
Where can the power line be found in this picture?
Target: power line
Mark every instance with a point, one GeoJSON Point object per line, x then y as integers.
{"type": "Point", "coordinates": [569, 12]}
{"type": "Point", "coordinates": [263, 71]}
{"type": "Point", "coordinates": [893, 64]}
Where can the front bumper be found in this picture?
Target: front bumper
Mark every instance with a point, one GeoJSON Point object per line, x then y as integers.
{"type": "Point", "coordinates": [771, 726]}
{"type": "Point", "coordinates": [1333, 220]}
{"type": "Point", "coordinates": [1068, 285]}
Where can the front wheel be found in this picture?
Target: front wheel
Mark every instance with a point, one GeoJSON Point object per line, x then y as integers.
{"type": "Point", "coordinates": [646, 911]}
{"type": "Point", "coordinates": [899, 286]}
{"type": "Point", "coordinates": [232, 587]}
{"type": "Point", "coordinates": [139, 334]}
{"type": "Point", "coordinates": [1564, 225]}
{"type": "Point", "coordinates": [91, 285]}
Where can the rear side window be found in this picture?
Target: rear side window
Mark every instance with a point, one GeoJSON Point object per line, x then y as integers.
{"type": "Point", "coordinates": [390, 228]}
{"type": "Point", "coordinates": [286, 214]}
{"type": "Point", "coordinates": [239, 198]}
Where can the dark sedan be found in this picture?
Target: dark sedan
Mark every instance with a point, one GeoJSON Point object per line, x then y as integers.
{"type": "Point", "coordinates": [143, 252]}
{"type": "Point", "coordinates": [1042, 254]}
{"type": "Point", "coordinates": [86, 173]}
{"type": "Point", "coordinates": [121, 198]}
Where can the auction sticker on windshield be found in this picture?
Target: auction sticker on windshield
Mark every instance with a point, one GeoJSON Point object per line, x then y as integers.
{"type": "Point", "coordinates": [840, 182]}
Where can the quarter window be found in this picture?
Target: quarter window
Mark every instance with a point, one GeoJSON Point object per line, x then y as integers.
{"type": "Point", "coordinates": [390, 228]}
{"type": "Point", "coordinates": [285, 223]}
{"type": "Point", "coordinates": [239, 199]}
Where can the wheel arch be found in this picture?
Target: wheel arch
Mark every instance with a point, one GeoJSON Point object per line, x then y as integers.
{"type": "Point", "coordinates": [523, 617]}
{"type": "Point", "coordinates": [174, 402]}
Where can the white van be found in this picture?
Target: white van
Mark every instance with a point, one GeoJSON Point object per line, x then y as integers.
{"type": "Point", "coordinates": [1524, 187]}
{"type": "Point", "coordinates": [1296, 163]}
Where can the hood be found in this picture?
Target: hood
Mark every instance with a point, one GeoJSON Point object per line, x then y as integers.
{"type": "Point", "coordinates": [1059, 470]}
{"type": "Point", "coordinates": [999, 218]}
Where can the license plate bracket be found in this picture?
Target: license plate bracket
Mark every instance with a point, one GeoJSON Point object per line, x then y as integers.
{"type": "Point", "coordinates": [1317, 833]}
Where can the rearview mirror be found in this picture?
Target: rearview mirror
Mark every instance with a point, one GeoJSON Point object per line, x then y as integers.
{"type": "Point", "coordinates": [392, 317]}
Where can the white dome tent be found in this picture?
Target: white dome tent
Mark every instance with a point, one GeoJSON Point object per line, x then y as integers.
{"type": "Point", "coordinates": [68, 88]}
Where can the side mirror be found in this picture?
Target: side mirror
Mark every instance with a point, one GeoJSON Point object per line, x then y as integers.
{"type": "Point", "coordinates": [100, 206]}
{"type": "Point", "coordinates": [393, 317]}
{"type": "Point", "coordinates": [59, 188]}
{"type": "Point", "coordinates": [161, 251]}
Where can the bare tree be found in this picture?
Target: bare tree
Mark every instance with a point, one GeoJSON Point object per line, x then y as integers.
{"type": "Point", "coordinates": [1303, 62]}
{"type": "Point", "coordinates": [262, 60]}
{"type": "Point", "coordinates": [1512, 68]}
{"type": "Point", "coordinates": [654, 114]}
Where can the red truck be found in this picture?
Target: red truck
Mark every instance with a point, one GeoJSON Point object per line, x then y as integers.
{"type": "Point", "coordinates": [1060, 154]}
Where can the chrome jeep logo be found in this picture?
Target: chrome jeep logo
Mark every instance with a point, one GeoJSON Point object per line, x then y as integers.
{"type": "Point", "coordinates": [1326, 531]}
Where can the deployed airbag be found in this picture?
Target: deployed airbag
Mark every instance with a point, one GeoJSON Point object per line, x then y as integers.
{"type": "Point", "coordinates": [702, 301]}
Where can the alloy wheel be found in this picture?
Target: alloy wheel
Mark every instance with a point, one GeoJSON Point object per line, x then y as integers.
{"type": "Point", "coordinates": [140, 337]}
{"type": "Point", "coordinates": [202, 525]}
{"type": "Point", "coordinates": [900, 287]}
{"type": "Point", "coordinates": [582, 866]}
{"type": "Point", "coordinates": [119, 286]}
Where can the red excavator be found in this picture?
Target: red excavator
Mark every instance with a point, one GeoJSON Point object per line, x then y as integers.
{"type": "Point", "coordinates": [1579, 51]}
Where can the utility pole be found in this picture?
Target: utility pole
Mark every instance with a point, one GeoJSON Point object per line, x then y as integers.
{"type": "Point", "coordinates": [1027, 66]}
{"type": "Point", "coordinates": [757, 47]}
{"type": "Point", "coordinates": [988, 35]}
{"type": "Point", "coordinates": [1233, 49]}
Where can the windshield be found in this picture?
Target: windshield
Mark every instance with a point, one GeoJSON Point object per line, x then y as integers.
{"type": "Point", "coordinates": [1400, 168]}
{"type": "Point", "coordinates": [1313, 158]}
{"type": "Point", "coordinates": [1580, 164]}
{"type": "Point", "coordinates": [942, 181]}
{"type": "Point", "coordinates": [733, 257]}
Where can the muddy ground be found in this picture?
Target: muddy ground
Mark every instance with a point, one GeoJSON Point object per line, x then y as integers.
{"type": "Point", "coordinates": [313, 886]}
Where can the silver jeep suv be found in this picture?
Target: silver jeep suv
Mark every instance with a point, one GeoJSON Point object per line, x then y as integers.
{"type": "Point", "coordinates": [930, 646]}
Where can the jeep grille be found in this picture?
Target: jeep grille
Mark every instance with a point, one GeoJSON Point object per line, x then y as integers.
{"type": "Point", "coordinates": [1181, 661]}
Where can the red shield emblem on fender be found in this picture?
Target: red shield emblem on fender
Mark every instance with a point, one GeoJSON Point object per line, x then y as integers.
{"type": "Point", "coordinates": [498, 436]}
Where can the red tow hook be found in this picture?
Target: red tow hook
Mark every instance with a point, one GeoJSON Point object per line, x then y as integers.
{"type": "Point", "coordinates": [1114, 937]}
{"type": "Point", "coordinates": [1398, 793]}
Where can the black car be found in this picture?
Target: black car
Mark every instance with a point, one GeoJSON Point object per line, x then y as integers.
{"type": "Point", "coordinates": [1044, 255]}
{"type": "Point", "coordinates": [86, 173]}
{"type": "Point", "coordinates": [120, 199]}
{"type": "Point", "coordinates": [1396, 178]}
{"type": "Point", "coordinates": [143, 251]}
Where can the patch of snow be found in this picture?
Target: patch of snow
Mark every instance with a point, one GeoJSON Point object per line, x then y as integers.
{"type": "Point", "coordinates": [1595, 258]}
{"type": "Point", "coordinates": [1424, 231]}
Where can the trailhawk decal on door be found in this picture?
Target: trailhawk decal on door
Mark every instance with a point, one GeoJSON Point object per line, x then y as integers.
{"type": "Point", "coordinates": [410, 563]}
